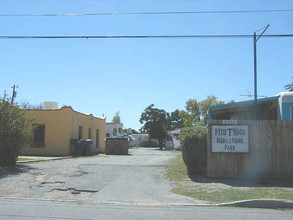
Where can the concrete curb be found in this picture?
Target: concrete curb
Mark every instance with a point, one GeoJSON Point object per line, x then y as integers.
{"type": "Point", "coordinates": [260, 203]}
{"type": "Point", "coordinates": [255, 203]}
{"type": "Point", "coordinates": [41, 160]}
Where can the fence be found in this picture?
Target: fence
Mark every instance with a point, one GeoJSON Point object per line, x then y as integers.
{"type": "Point", "coordinates": [270, 153]}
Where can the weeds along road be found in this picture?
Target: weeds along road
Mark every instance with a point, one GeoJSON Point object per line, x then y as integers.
{"type": "Point", "coordinates": [136, 178]}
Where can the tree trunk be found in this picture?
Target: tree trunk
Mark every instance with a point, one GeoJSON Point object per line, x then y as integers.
{"type": "Point", "coordinates": [161, 142]}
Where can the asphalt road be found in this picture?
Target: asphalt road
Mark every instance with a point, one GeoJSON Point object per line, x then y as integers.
{"type": "Point", "coordinates": [136, 178]}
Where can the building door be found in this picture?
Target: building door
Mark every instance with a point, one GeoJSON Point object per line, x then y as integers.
{"type": "Point", "coordinates": [79, 132]}
{"type": "Point", "coordinates": [97, 138]}
{"type": "Point", "coordinates": [90, 133]}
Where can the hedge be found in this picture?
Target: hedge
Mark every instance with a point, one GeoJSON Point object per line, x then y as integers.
{"type": "Point", "coordinates": [194, 149]}
{"type": "Point", "coordinates": [15, 131]}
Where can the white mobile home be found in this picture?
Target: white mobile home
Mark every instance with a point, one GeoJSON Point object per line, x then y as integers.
{"type": "Point", "coordinates": [112, 129]}
{"type": "Point", "coordinates": [142, 140]}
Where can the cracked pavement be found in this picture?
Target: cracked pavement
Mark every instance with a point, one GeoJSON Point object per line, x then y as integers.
{"type": "Point", "coordinates": [136, 178]}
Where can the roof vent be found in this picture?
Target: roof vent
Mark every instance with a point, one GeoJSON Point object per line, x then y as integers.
{"type": "Point", "coordinates": [50, 105]}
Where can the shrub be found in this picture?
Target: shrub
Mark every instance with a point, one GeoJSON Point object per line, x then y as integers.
{"type": "Point", "coordinates": [194, 149]}
{"type": "Point", "coordinates": [15, 131]}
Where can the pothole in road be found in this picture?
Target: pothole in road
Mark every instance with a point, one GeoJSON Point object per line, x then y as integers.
{"type": "Point", "coordinates": [40, 177]}
{"type": "Point", "coordinates": [74, 191]}
{"type": "Point", "coordinates": [78, 174]}
{"type": "Point", "coordinates": [42, 184]}
{"type": "Point", "coordinates": [54, 182]}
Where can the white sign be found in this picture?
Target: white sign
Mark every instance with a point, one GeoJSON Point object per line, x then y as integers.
{"type": "Point", "coordinates": [230, 138]}
{"type": "Point", "coordinates": [229, 122]}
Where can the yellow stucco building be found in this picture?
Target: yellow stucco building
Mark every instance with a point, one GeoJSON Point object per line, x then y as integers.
{"type": "Point", "coordinates": [54, 130]}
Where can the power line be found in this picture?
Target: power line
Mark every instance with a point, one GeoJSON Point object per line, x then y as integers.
{"type": "Point", "coordinates": [146, 36]}
{"type": "Point", "coordinates": [150, 13]}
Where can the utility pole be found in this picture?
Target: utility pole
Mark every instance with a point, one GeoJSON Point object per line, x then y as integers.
{"type": "Point", "coordinates": [255, 39]}
{"type": "Point", "coordinates": [13, 93]}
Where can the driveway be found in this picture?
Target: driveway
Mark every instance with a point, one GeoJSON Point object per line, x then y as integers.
{"type": "Point", "coordinates": [137, 178]}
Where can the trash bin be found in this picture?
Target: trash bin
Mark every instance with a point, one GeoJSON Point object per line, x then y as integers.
{"type": "Point", "coordinates": [75, 150]}
{"type": "Point", "coordinates": [81, 146]}
{"type": "Point", "coordinates": [88, 146]}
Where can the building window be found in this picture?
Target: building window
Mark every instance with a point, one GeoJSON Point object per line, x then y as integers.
{"type": "Point", "coordinates": [90, 133]}
{"type": "Point", "coordinates": [115, 132]}
{"type": "Point", "coordinates": [97, 138]}
{"type": "Point", "coordinates": [107, 135]}
{"type": "Point", "coordinates": [79, 132]}
{"type": "Point", "coordinates": [39, 135]}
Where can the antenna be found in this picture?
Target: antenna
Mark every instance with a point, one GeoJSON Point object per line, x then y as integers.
{"type": "Point", "coordinates": [249, 95]}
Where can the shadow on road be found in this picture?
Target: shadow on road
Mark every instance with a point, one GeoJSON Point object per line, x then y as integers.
{"type": "Point", "coordinates": [245, 182]}
{"type": "Point", "coordinates": [14, 170]}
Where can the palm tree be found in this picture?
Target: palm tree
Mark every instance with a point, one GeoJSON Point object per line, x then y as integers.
{"type": "Point", "coordinates": [289, 86]}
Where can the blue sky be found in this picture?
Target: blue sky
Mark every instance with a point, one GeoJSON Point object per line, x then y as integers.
{"type": "Point", "coordinates": [103, 76]}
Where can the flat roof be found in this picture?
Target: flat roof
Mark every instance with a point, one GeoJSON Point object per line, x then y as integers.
{"type": "Point", "coordinates": [113, 123]}
{"type": "Point", "coordinates": [60, 109]}
{"type": "Point", "coordinates": [234, 104]}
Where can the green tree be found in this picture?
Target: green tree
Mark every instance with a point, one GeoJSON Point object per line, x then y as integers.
{"type": "Point", "coordinates": [204, 106]}
{"type": "Point", "coordinates": [155, 122]}
{"type": "Point", "coordinates": [15, 131]}
{"type": "Point", "coordinates": [116, 118]}
{"type": "Point", "coordinates": [133, 131]}
{"type": "Point", "coordinates": [175, 120]}
{"type": "Point", "coordinates": [191, 114]}
{"type": "Point", "coordinates": [196, 113]}
{"type": "Point", "coordinates": [289, 86]}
